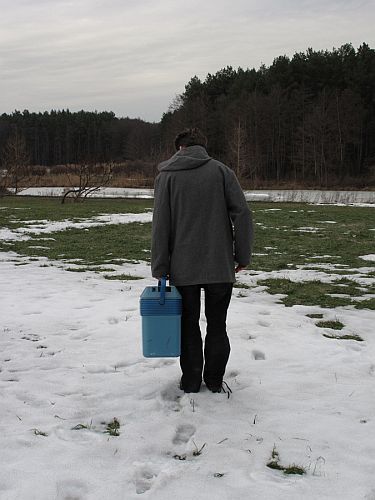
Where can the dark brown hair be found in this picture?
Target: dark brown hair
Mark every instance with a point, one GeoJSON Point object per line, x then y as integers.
{"type": "Point", "coordinates": [190, 137]}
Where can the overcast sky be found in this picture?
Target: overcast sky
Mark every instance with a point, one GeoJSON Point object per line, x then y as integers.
{"type": "Point", "coordinates": [133, 56]}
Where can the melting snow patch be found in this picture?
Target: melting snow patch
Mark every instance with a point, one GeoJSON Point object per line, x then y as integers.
{"type": "Point", "coordinates": [9, 235]}
{"type": "Point", "coordinates": [363, 205]}
{"type": "Point", "coordinates": [45, 226]}
{"type": "Point", "coordinates": [370, 257]}
{"type": "Point", "coordinates": [325, 257]}
{"type": "Point", "coordinates": [270, 210]}
{"type": "Point", "coordinates": [307, 229]}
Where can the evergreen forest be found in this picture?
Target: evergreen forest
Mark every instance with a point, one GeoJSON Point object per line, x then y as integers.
{"type": "Point", "coordinates": [304, 121]}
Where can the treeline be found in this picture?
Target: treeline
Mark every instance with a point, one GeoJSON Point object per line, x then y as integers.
{"type": "Point", "coordinates": [308, 120]}
{"type": "Point", "coordinates": [64, 137]}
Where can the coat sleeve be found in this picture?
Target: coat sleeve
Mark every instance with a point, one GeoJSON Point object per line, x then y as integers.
{"type": "Point", "coordinates": [241, 219]}
{"type": "Point", "coordinates": [161, 225]}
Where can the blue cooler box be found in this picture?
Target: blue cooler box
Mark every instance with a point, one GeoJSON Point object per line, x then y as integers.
{"type": "Point", "coordinates": [161, 308]}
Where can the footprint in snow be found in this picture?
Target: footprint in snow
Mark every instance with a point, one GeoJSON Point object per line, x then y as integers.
{"type": "Point", "coordinates": [183, 433]}
{"type": "Point", "coordinates": [370, 495]}
{"type": "Point", "coordinates": [257, 355]}
{"type": "Point", "coordinates": [113, 321]}
{"type": "Point", "coordinates": [71, 490]}
{"type": "Point", "coordinates": [99, 369]}
{"type": "Point", "coordinates": [171, 392]}
{"type": "Point", "coordinates": [265, 312]}
{"type": "Point", "coordinates": [264, 323]}
{"type": "Point", "coordinates": [79, 336]}
{"type": "Point", "coordinates": [32, 337]}
{"type": "Point", "coordinates": [73, 328]}
{"type": "Point", "coordinates": [164, 362]}
{"type": "Point", "coordinates": [357, 348]}
{"type": "Point", "coordinates": [144, 477]}
{"type": "Point", "coordinates": [171, 397]}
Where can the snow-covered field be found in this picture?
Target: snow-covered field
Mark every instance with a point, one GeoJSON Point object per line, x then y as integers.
{"type": "Point", "coordinates": [71, 362]}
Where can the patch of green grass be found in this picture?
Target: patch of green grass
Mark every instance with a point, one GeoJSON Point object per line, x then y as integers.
{"type": "Point", "coordinates": [315, 315]}
{"type": "Point", "coordinates": [334, 325]}
{"type": "Point", "coordinates": [37, 432]}
{"type": "Point", "coordinates": [343, 241]}
{"type": "Point", "coordinates": [27, 208]}
{"type": "Point", "coordinates": [277, 231]}
{"type": "Point", "coordinates": [274, 463]}
{"type": "Point", "coordinates": [348, 287]}
{"type": "Point", "coordinates": [344, 337]}
{"type": "Point", "coordinates": [365, 304]}
{"type": "Point", "coordinates": [122, 241]}
{"type": "Point", "coordinates": [310, 293]}
{"type": "Point", "coordinates": [113, 427]}
{"type": "Point", "coordinates": [328, 271]}
{"type": "Point", "coordinates": [90, 245]}
{"type": "Point", "coordinates": [122, 277]}
{"type": "Point", "coordinates": [294, 469]}
{"type": "Point", "coordinates": [79, 427]}
{"type": "Point", "coordinates": [93, 269]}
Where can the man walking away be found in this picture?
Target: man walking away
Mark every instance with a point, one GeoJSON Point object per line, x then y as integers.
{"type": "Point", "coordinates": [201, 236]}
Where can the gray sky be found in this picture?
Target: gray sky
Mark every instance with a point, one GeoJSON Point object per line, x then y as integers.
{"type": "Point", "coordinates": [133, 56]}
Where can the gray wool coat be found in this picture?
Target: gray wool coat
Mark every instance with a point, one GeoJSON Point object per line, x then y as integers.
{"type": "Point", "coordinates": [201, 223]}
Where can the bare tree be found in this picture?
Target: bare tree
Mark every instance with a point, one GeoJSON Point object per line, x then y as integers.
{"type": "Point", "coordinates": [238, 147]}
{"type": "Point", "coordinates": [90, 177]}
{"type": "Point", "coordinates": [16, 164]}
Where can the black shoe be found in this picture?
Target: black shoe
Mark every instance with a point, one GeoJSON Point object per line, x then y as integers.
{"type": "Point", "coordinates": [190, 387]}
{"type": "Point", "coordinates": [214, 387]}
{"type": "Point", "coordinates": [222, 387]}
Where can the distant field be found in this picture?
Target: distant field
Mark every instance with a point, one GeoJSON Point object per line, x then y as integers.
{"type": "Point", "coordinates": [326, 239]}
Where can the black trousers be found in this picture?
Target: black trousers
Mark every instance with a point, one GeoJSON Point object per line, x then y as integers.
{"type": "Point", "coordinates": [216, 346]}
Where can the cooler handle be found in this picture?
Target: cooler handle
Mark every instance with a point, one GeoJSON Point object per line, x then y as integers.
{"type": "Point", "coordinates": [162, 287]}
